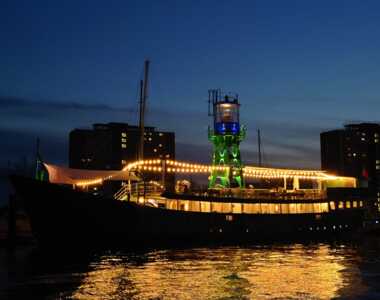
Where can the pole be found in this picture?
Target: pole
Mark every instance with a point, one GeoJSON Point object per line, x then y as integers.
{"type": "Point", "coordinates": [140, 151]}
{"type": "Point", "coordinates": [143, 97]}
{"type": "Point", "coordinates": [163, 167]}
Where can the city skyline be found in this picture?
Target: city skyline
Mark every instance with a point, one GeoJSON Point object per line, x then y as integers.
{"type": "Point", "coordinates": [299, 69]}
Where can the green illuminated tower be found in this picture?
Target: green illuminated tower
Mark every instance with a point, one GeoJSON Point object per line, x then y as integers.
{"type": "Point", "coordinates": [226, 137]}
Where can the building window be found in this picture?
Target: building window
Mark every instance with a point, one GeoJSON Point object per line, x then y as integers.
{"type": "Point", "coordinates": [361, 203]}
{"type": "Point", "coordinates": [376, 141]}
{"type": "Point", "coordinates": [155, 150]}
{"type": "Point", "coordinates": [124, 134]}
{"type": "Point", "coordinates": [149, 139]}
{"type": "Point", "coordinates": [123, 146]}
{"type": "Point", "coordinates": [348, 204]}
{"type": "Point", "coordinates": [377, 167]}
{"type": "Point", "coordinates": [167, 156]}
{"type": "Point", "coordinates": [376, 135]}
{"type": "Point", "coordinates": [123, 140]}
{"type": "Point", "coordinates": [160, 134]}
{"type": "Point", "coordinates": [354, 204]}
{"type": "Point", "coordinates": [159, 145]}
{"type": "Point", "coordinates": [340, 204]}
{"type": "Point", "coordinates": [123, 162]}
{"type": "Point", "coordinates": [332, 205]}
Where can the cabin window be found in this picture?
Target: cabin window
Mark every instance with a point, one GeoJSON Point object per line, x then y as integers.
{"type": "Point", "coordinates": [264, 208]}
{"type": "Point", "coordinates": [172, 204]}
{"type": "Point", "coordinates": [184, 205]}
{"type": "Point", "coordinates": [273, 208]}
{"type": "Point", "coordinates": [252, 208]}
{"type": "Point", "coordinates": [205, 206]}
{"type": "Point", "coordinates": [226, 208]}
{"type": "Point", "coordinates": [317, 207]}
{"type": "Point", "coordinates": [292, 209]}
{"type": "Point", "coordinates": [307, 208]}
{"type": "Point", "coordinates": [285, 208]}
{"type": "Point", "coordinates": [194, 205]}
{"type": "Point", "coordinates": [217, 207]}
{"type": "Point", "coordinates": [236, 208]}
{"type": "Point", "coordinates": [324, 207]}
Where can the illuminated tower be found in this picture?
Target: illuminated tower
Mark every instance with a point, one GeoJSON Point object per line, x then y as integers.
{"type": "Point", "coordinates": [226, 137]}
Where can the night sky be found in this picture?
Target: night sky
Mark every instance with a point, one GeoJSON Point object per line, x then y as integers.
{"type": "Point", "coordinates": [299, 67]}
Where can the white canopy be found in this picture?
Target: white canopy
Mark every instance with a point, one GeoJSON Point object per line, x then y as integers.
{"type": "Point", "coordinates": [58, 174]}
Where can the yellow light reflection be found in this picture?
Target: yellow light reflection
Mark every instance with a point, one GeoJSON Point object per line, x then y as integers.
{"type": "Point", "coordinates": [261, 272]}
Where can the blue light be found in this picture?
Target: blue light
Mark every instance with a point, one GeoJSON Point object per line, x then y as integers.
{"type": "Point", "coordinates": [228, 127]}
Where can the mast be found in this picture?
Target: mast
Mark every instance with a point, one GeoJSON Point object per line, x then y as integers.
{"type": "Point", "coordinates": [259, 145]}
{"type": "Point", "coordinates": [143, 97]}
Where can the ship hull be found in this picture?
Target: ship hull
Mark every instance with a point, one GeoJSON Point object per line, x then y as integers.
{"type": "Point", "coordinates": [67, 218]}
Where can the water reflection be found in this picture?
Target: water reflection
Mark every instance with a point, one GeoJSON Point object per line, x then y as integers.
{"type": "Point", "coordinates": [281, 272]}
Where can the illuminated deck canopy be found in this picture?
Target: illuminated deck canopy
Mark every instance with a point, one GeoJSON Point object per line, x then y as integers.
{"type": "Point", "coordinates": [179, 167]}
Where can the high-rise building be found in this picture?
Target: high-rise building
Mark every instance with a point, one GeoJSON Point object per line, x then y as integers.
{"type": "Point", "coordinates": [354, 151]}
{"type": "Point", "coordinates": [113, 145]}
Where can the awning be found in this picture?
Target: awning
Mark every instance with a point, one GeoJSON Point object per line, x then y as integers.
{"type": "Point", "coordinates": [64, 175]}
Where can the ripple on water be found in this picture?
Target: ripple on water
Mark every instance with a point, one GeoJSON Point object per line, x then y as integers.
{"type": "Point", "coordinates": [295, 271]}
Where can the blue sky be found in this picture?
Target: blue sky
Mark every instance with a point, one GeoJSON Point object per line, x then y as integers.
{"type": "Point", "coordinates": [300, 67]}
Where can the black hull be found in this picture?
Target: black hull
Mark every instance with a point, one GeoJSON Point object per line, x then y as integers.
{"type": "Point", "coordinates": [66, 218]}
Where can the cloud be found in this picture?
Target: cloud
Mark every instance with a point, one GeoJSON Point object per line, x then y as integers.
{"type": "Point", "coordinates": [56, 117]}
{"type": "Point", "coordinates": [10, 102]}
{"type": "Point", "coordinates": [283, 143]}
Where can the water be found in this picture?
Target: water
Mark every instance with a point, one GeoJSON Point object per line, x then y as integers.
{"type": "Point", "coordinates": [296, 271]}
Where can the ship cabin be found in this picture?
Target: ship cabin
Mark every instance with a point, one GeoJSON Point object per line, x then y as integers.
{"type": "Point", "coordinates": [267, 191]}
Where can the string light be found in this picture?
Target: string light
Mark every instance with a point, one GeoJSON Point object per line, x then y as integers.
{"type": "Point", "coordinates": [172, 166]}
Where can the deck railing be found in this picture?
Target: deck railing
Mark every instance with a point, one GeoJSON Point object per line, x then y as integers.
{"type": "Point", "coordinates": [139, 190]}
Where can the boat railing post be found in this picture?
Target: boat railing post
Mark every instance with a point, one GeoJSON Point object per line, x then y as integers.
{"type": "Point", "coordinates": [129, 186]}
{"type": "Point", "coordinates": [138, 191]}
{"type": "Point", "coordinates": [144, 189]}
{"type": "Point", "coordinates": [163, 168]}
